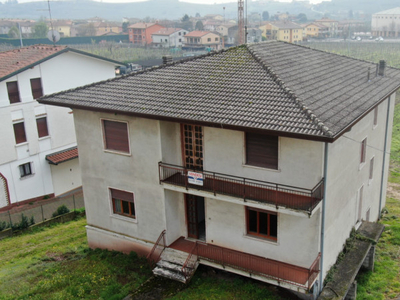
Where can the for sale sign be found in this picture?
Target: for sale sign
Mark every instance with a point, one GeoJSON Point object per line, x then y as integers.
{"type": "Point", "coordinates": [195, 178]}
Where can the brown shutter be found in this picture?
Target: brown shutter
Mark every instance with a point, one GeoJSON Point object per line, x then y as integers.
{"type": "Point", "coordinates": [13, 92]}
{"type": "Point", "coordinates": [116, 136]}
{"type": "Point", "coordinates": [19, 131]}
{"type": "Point", "coordinates": [42, 127]}
{"type": "Point", "coordinates": [37, 90]}
{"type": "Point", "coordinates": [262, 150]}
{"type": "Point", "coordinates": [121, 195]}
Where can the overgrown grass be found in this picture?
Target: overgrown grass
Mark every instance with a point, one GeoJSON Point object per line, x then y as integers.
{"type": "Point", "coordinates": [56, 263]}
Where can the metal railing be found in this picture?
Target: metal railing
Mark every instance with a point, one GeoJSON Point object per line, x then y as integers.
{"type": "Point", "coordinates": [150, 257]}
{"type": "Point", "coordinates": [190, 263]}
{"type": "Point", "coordinates": [260, 266]}
{"type": "Point", "coordinates": [245, 188]}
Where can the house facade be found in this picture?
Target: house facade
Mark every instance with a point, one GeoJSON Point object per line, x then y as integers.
{"type": "Point", "coordinates": [140, 33]}
{"type": "Point", "coordinates": [202, 39]}
{"type": "Point", "coordinates": [316, 30]}
{"type": "Point", "coordinates": [234, 163]}
{"type": "Point", "coordinates": [31, 131]}
{"type": "Point", "coordinates": [386, 23]}
{"type": "Point", "coordinates": [169, 37]}
{"type": "Point", "coordinates": [282, 31]}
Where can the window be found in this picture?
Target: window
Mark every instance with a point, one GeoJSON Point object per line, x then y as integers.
{"type": "Point", "coordinates": [123, 203]}
{"type": "Point", "coordinates": [209, 40]}
{"type": "Point", "coordinates": [262, 223]}
{"type": "Point", "coordinates": [262, 150]}
{"type": "Point", "coordinates": [13, 92]}
{"type": "Point", "coordinates": [376, 116]}
{"type": "Point", "coordinates": [360, 201]}
{"type": "Point", "coordinates": [19, 133]}
{"type": "Point", "coordinates": [363, 151]}
{"type": "Point", "coordinates": [180, 40]}
{"type": "Point", "coordinates": [216, 39]}
{"type": "Point", "coordinates": [371, 169]}
{"type": "Point", "coordinates": [36, 86]}
{"type": "Point", "coordinates": [41, 124]}
{"type": "Point", "coordinates": [116, 136]}
{"type": "Point", "coordinates": [25, 169]}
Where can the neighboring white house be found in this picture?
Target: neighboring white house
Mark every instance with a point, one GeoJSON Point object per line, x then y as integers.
{"type": "Point", "coordinates": [169, 37]}
{"type": "Point", "coordinates": [30, 131]}
{"type": "Point", "coordinates": [386, 23]}
{"type": "Point", "coordinates": [252, 159]}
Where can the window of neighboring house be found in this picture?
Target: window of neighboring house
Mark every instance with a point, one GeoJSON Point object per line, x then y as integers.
{"type": "Point", "coordinates": [41, 124]}
{"type": "Point", "coordinates": [179, 33]}
{"type": "Point", "coordinates": [376, 116]}
{"type": "Point", "coordinates": [216, 39]}
{"type": "Point", "coordinates": [123, 203]}
{"type": "Point", "coordinates": [36, 86]}
{"type": "Point", "coordinates": [180, 40]}
{"type": "Point", "coordinates": [25, 169]}
{"type": "Point", "coordinates": [262, 150]}
{"type": "Point", "coordinates": [19, 133]}
{"type": "Point", "coordinates": [371, 168]}
{"type": "Point", "coordinates": [262, 223]}
{"type": "Point", "coordinates": [363, 151]}
{"type": "Point", "coordinates": [209, 40]}
{"type": "Point", "coordinates": [116, 136]}
{"type": "Point", "coordinates": [13, 92]}
{"type": "Point", "coordinates": [166, 40]}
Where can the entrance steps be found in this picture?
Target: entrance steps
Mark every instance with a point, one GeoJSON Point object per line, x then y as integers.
{"type": "Point", "coordinates": [171, 263]}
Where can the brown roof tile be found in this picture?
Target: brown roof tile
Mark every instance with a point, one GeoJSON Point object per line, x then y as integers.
{"type": "Point", "coordinates": [62, 156]}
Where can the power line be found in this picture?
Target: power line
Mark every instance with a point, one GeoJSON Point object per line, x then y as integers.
{"type": "Point", "coordinates": [372, 147]}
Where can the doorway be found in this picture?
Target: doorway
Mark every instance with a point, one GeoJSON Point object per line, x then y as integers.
{"type": "Point", "coordinates": [196, 217]}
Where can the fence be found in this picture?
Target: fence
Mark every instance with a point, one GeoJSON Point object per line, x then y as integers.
{"type": "Point", "coordinates": [41, 212]}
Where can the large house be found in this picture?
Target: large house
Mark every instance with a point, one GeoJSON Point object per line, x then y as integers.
{"type": "Point", "coordinates": [253, 159]}
{"type": "Point", "coordinates": [140, 33]}
{"type": "Point", "coordinates": [38, 143]}
{"type": "Point", "coordinates": [168, 37]}
{"type": "Point", "coordinates": [201, 40]}
{"type": "Point", "coordinates": [282, 31]}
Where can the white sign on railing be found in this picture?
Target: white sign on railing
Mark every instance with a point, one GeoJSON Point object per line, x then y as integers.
{"type": "Point", "coordinates": [195, 178]}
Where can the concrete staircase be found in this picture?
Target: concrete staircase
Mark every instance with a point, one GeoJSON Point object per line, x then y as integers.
{"type": "Point", "coordinates": [171, 263]}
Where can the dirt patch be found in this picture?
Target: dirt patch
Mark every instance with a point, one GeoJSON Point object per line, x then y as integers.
{"type": "Point", "coordinates": [52, 256]}
{"type": "Point", "coordinates": [393, 190]}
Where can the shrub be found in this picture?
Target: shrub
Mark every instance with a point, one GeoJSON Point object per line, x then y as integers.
{"type": "Point", "coordinates": [4, 225]}
{"type": "Point", "coordinates": [21, 225]}
{"type": "Point", "coordinates": [61, 210]}
{"type": "Point", "coordinates": [31, 221]}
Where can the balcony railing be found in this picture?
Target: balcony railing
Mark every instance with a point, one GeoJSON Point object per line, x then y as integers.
{"type": "Point", "coordinates": [248, 189]}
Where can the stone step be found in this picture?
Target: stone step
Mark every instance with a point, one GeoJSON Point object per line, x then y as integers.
{"type": "Point", "coordinates": [164, 264]}
{"type": "Point", "coordinates": [169, 274]}
{"type": "Point", "coordinates": [174, 256]}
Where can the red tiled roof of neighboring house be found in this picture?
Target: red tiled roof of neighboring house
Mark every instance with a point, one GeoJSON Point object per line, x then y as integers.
{"type": "Point", "coordinates": [326, 20]}
{"type": "Point", "coordinates": [286, 25]}
{"type": "Point", "coordinates": [15, 61]}
{"type": "Point", "coordinates": [142, 25]}
{"type": "Point", "coordinates": [167, 31]}
{"type": "Point", "coordinates": [62, 156]}
{"type": "Point", "coordinates": [318, 25]}
{"type": "Point", "coordinates": [197, 33]}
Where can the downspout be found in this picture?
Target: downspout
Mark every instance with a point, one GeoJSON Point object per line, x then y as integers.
{"type": "Point", "coordinates": [321, 285]}
{"type": "Point", "coordinates": [384, 158]}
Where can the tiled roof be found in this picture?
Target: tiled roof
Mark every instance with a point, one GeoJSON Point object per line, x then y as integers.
{"type": "Point", "coordinates": [393, 11]}
{"type": "Point", "coordinates": [197, 33]}
{"type": "Point", "coordinates": [167, 31]}
{"type": "Point", "coordinates": [15, 61]}
{"type": "Point", "coordinates": [62, 156]}
{"type": "Point", "coordinates": [286, 25]}
{"type": "Point", "coordinates": [275, 87]}
{"type": "Point", "coordinates": [141, 25]}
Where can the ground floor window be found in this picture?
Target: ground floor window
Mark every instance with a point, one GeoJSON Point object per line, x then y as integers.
{"type": "Point", "coordinates": [262, 223]}
{"type": "Point", "coordinates": [123, 203]}
{"type": "Point", "coordinates": [25, 169]}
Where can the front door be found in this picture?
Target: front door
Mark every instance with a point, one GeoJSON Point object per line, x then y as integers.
{"type": "Point", "coordinates": [195, 216]}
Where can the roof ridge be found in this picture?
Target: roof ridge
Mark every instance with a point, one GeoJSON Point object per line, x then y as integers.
{"type": "Point", "coordinates": [308, 112]}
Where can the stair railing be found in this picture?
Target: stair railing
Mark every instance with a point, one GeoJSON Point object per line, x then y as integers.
{"type": "Point", "coordinates": [157, 243]}
{"type": "Point", "coordinates": [190, 263]}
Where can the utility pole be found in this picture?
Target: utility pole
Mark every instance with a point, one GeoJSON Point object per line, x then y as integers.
{"type": "Point", "coordinates": [241, 22]}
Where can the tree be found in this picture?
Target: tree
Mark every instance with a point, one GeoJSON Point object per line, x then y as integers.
{"type": "Point", "coordinates": [40, 29]}
{"type": "Point", "coordinates": [86, 30]}
{"type": "Point", "coordinates": [199, 25]}
{"type": "Point", "coordinates": [265, 16]}
{"type": "Point", "coordinates": [14, 32]}
{"type": "Point", "coordinates": [302, 18]}
{"type": "Point", "coordinates": [185, 18]}
{"type": "Point", "coordinates": [125, 26]}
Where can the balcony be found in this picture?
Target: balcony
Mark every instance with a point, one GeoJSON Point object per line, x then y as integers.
{"type": "Point", "coordinates": [280, 195]}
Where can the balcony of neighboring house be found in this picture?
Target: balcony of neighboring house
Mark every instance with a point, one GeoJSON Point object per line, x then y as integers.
{"type": "Point", "coordinates": [207, 184]}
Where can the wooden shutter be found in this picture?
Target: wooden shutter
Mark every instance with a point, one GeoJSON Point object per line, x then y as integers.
{"type": "Point", "coordinates": [121, 195]}
{"type": "Point", "coordinates": [42, 127]}
{"type": "Point", "coordinates": [116, 136]}
{"type": "Point", "coordinates": [13, 92]}
{"type": "Point", "coordinates": [262, 150]}
{"type": "Point", "coordinates": [37, 90]}
{"type": "Point", "coordinates": [19, 132]}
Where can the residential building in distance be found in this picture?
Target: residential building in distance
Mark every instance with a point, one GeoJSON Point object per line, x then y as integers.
{"type": "Point", "coordinates": [201, 40]}
{"type": "Point", "coordinates": [62, 26]}
{"type": "Point", "coordinates": [254, 35]}
{"type": "Point", "coordinates": [332, 26]}
{"type": "Point", "coordinates": [386, 23]}
{"type": "Point", "coordinates": [169, 37]}
{"type": "Point", "coordinates": [252, 159]}
{"type": "Point", "coordinates": [282, 31]}
{"type": "Point", "coordinates": [105, 28]}
{"type": "Point", "coordinates": [140, 33]}
{"type": "Point", "coordinates": [38, 143]}
{"type": "Point", "coordinates": [316, 30]}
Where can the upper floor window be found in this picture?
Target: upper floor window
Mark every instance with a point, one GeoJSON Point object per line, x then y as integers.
{"type": "Point", "coordinates": [262, 150]}
{"type": "Point", "coordinates": [41, 124]}
{"type": "Point", "coordinates": [376, 116]}
{"type": "Point", "coordinates": [13, 92]}
{"type": "Point", "coordinates": [363, 151]}
{"type": "Point", "coordinates": [371, 168]}
{"type": "Point", "coordinates": [209, 40]}
{"type": "Point", "coordinates": [19, 133]}
{"type": "Point", "coordinates": [262, 223]}
{"type": "Point", "coordinates": [36, 86]}
{"type": "Point", "coordinates": [116, 136]}
{"type": "Point", "coordinates": [123, 203]}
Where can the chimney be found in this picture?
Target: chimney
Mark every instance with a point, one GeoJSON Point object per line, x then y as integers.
{"type": "Point", "coordinates": [167, 59]}
{"type": "Point", "coordinates": [381, 68]}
